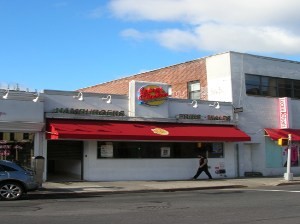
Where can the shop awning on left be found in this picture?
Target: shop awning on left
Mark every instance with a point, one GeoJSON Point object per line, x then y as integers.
{"type": "Point", "coordinates": [141, 131]}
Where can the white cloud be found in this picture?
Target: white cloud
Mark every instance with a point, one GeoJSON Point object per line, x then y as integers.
{"type": "Point", "coordinates": [177, 39]}
{"type": "Point", "coordinates": [241, 38]}
{"type": "Point", "coordinates": [217, 25]}
{"type": "Point", "coordinates": [133, 33]}
{"type": "Point", "coordinates": [199, 11]}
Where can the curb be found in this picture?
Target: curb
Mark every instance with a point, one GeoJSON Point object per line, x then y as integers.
{"type": "Point", "coordinates": [57, 192]}
{"type": "Point", "coordinates": [46, 192]}
{"type": "Point", "coordinates": [288, 183]}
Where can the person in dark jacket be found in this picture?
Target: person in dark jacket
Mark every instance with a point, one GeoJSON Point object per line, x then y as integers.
{"type": "Point", "coordinates": [203, 166]}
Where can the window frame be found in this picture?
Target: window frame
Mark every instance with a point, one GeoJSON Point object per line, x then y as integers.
{"type": "Point", "coordinates": [271, 86]}
{"type": "Point", "coordinates": [192, 93]}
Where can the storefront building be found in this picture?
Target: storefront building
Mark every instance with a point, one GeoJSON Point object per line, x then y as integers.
{"type": "Point", "coordinates": [233, 107]}
{"type": "Point", "coordinates": [21, 125]}
{"type": "Point", "coordinates": [255, 85]}
{"type": "Point", "coordinates": [143, 136]}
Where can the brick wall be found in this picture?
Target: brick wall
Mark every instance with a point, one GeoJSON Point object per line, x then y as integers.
{"type": "Point", "coordinates": [176, 75]}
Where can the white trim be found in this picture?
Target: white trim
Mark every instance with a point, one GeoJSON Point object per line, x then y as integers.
{"type": "Point", "coordinates": [20, 126]}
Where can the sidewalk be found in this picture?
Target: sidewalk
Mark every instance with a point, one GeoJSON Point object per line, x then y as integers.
{"type": "Point", "coordinates": [151, 186]}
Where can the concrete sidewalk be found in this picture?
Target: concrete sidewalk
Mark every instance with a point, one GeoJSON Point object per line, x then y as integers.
{"type": "Point", "coordinates": [151, 186]}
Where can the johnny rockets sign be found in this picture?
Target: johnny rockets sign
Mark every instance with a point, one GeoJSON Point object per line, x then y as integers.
{"type": "Point", "coordinates": [152, 95]}
{"type": "Point", "coordinates": [283, 113]}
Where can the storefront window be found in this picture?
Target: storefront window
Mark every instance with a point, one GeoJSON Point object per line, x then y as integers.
{"type": "Point", "coordinates": [159, 150]}
{"type": "Point", "coordinates": [215, 150]}
{"type": "Point", "coordinates": [276, 156]}
{"type": "Point", "coordinates": [16, 147]}
{"type": "Point", "coordinates": [294, 155]}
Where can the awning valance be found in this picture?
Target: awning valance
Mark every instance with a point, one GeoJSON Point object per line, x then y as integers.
{"type": "Point", "coordinates": [141, 131]}
{"type": "Point", "coordinates": [275, 134]}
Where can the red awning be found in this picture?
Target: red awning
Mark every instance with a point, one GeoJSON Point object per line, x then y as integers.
{"type": "Point", "coordinates": [144, 131]}
{"type": "Point", "coordinates": [275, 134]}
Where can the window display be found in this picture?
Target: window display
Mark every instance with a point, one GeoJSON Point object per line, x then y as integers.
{"type": "Point", "coordinates": [159, 149]}
{"type": "Point", "coordinates": [17, 147]}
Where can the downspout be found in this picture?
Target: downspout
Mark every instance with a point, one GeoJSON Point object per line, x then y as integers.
{"type": "Point", "coordinates": [237, 160]}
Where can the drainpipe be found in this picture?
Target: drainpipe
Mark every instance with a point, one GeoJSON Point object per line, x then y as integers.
{"type": "Point", "coordinates": [237, 160]}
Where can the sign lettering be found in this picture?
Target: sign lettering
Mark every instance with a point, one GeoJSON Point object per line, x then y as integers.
{"type": "Point", "coordinates": [283, 113]}
{"type": "Point", "coordinates": [113, 113]}
{"type": "Point", "coordinates": [202, 117]}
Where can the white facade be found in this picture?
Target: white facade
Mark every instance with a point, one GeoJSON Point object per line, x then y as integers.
{"type": "Point", "coordinates": [95, 169]}
{"type": "Point", "coordinates": [226, 82]}
{"type": "Point", "coordinates": [153, 169]}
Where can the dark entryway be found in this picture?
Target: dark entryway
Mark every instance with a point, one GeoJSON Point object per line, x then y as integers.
{"type": "Point", "coordinates": [64, 160]}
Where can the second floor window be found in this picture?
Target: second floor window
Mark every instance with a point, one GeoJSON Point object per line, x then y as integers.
{"type": "Point", "coordinates": [194, 90]}
{"type": "Point", "coordinates": [272, 86]}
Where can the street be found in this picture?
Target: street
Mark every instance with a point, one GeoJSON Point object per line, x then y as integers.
{"type": "Point", "coordinates": [244, 205]}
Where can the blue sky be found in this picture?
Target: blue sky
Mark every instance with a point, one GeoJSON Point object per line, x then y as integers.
{"type": "Point", "coordinates": [71, 44]}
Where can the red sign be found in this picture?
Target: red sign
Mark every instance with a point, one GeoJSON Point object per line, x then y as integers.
{"type": "Point", "coordinates": [283, 113]}
{"type": "Point", "coordinates": [152, 95]}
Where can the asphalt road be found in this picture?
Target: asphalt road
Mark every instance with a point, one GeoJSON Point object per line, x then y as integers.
{"type": "Point", "coordinates": [262, 205]}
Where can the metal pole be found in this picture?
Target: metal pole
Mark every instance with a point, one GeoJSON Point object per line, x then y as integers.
{"type": "Point", "coordinates": [237, 160]}
{"type": "Point", "coordinates": [288, 175]}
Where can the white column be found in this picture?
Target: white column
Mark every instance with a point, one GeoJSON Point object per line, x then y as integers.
{"type": "Point", "coordinates": [288, 175]}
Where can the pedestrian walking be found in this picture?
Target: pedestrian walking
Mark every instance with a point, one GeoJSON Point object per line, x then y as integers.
{"type": "Point", "coordinates": [203, 166]}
